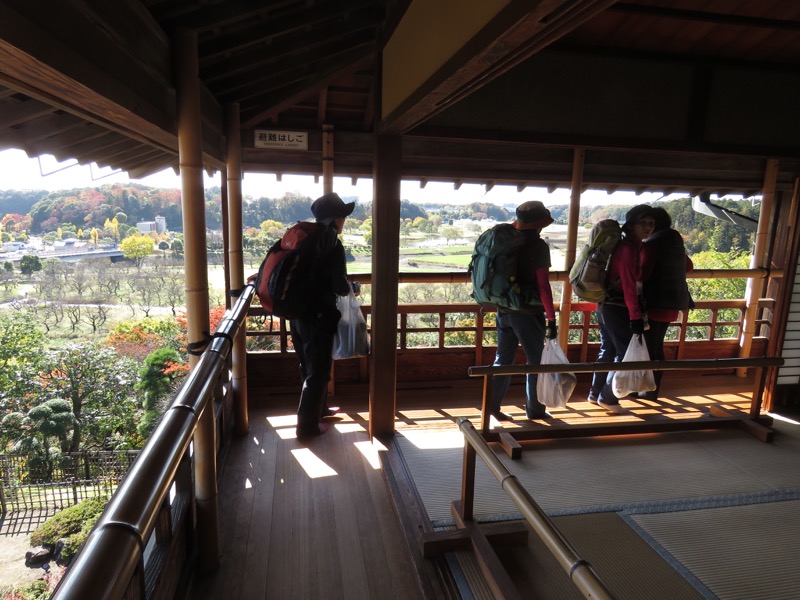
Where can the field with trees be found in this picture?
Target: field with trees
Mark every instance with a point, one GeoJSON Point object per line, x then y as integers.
{"type": "Point", "coordinates": [91, 351]}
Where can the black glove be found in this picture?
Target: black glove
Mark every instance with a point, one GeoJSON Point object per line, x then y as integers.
{"type": "Point", "coordinates": [637, 326]}
{"type": "Point", "coordinates": [356, 287]}
{"type": "Point", "coordinates": [551, 331]}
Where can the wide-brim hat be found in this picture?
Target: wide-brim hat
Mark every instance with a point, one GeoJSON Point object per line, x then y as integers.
{"type": "Point", "coordinates": [534, 214]}
{"type": "Point", "coordinates": [331, 206]}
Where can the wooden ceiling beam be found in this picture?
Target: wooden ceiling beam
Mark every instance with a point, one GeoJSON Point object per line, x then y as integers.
{"type": "Point", "coordinates": [284, 98]}
{"type": "Point", "coordinates": [515, 34]}
{"type": "Point", "coordinates": [278, 35]}
{"type": "Point", "coordinates": [58, 75]}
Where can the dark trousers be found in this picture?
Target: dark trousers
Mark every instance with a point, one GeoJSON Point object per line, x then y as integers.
{"type": "Point", "coordinates": [615, 333]}
{"type": "Point", "coordinates": [654, 339]}
{"type": "Point", "coordinates": [313, 344]}
{"type": "Point", "coordinates": [515, 329]}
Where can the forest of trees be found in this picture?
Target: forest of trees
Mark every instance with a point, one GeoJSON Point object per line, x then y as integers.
{"type": "Point", "coordinates": [82, 210]}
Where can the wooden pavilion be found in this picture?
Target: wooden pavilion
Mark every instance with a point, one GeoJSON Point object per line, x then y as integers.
{"type": "Point", "coordinates": [672, 96]}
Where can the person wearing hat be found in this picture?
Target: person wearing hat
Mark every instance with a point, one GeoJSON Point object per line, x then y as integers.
{"type": "Point", "coordinates": [313, 337]}
{"type": "Point", "coordinates": [620, 314]}
{"type": "Point", "coordinates": [526, 327]}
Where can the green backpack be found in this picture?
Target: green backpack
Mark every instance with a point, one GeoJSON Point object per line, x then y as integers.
{"type": "Point", "coordinates": [588, 274]}
{"type": "Point", "coordinates": [493, 270]}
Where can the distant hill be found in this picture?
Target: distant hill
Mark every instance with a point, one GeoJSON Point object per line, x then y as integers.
{"type": "Point", "coordinates": [19, 202]}
{"type": "Point", "coordinates": [86, 208]}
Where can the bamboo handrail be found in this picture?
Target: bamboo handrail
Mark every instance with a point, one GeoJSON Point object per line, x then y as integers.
{"type": "Point", "coordinates": [113, 554]}
{"type": "Point", "coordinates": [579, 570]}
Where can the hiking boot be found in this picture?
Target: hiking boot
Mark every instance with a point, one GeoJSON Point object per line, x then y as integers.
{"type": "Point", "coordinates": [501, 416]}
{"type": "Point", "coordinates": [539, 416]}
{"type": "Point", "coordinates": [613, 408]}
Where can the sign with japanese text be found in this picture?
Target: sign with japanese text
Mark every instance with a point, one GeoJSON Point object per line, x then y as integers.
{"type": "Point", "coordinates": [287, 140]}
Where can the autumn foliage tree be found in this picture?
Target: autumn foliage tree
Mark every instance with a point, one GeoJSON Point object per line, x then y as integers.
{"type": "Point", "coordinates": [137, 248]}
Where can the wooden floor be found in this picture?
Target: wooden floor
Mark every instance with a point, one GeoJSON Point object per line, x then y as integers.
{"type": "Point", "coordinates": [307, 519]}
{"type": "Point", "coordinates": [317, 519]}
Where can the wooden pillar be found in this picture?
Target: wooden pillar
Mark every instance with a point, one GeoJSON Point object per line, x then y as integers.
{"type": "Point", "coordinates": [327, 159]}
{"type": "Point", "coordinates": [327, 188]}
{"type": "Point", "coordinates": [385, 267]}
{"type": "Point", "coordinates": [196, 268]}
{"type": "Point", "coordinates": [783, 299]}
{"type": "Point", "coordinates": [755, 285]}
{"type": "Point", "coordinates": [236, 263]}
{"type": "Point", "coordinates": [578, 158]}
{"type": "Point", "coordinates": [226, 265]}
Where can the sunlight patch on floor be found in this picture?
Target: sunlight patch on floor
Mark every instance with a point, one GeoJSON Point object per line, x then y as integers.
{"type": "Point", "coordinates": [685, 416]}
{"type": "Point", "coordinates": [420, 414]}
{"type": "Point", "coordinates": [348, 427]}
{"type": "Point", "coordinates": [314, 466]}
{"type": "Point", "coordinates": [283, 421]}
{"type": "Point", "coordinates": [698, 400]}
{"type": "Point", "coordinates": [434, 440]}
{"type": "Point", "coordinates": [432, 424]}
{"type": "Point", "coordinates": [461, 412]}
{"type": "Point", "coordinates": [783, 419]}
{"type": "Point", "coordinates": [370, 451]}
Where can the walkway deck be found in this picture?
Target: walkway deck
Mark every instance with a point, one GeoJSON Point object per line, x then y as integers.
{"type": "Point", "coordinates": [322, 519]}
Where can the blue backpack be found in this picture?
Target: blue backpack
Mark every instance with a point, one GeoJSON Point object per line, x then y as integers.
{"type": "Point", "coordinates": [493, 270]}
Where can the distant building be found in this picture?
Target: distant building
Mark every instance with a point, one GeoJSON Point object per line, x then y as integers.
{"type": "Point", "coordinates": [13, 246]}
{"type": "Point", "coordinates": [159, 225]}
{"type": "Point", "coordinates": [69, 245]}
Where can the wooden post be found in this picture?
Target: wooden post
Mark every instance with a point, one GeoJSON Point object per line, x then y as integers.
{"type": "Point", "coordinates": [755, 285]}
{"type": "Point", "coordinates": [327, 159]}
{"type": "Point", "coordinates": [236, 264]}
{"type": "Point", "coordinates": [578, 158]}
{"type": "Point", "coordinates": [196, 267]}
{"type": "Point", "coordinates": [468, 483]}
{"type": "Point", "coordinates": [385, 267]}
{"type": "Point", "coordinates": [783, 306]}
{"type": "Point", "coordinates": [327, 188]}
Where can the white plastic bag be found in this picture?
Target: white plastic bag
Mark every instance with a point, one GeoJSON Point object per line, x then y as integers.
{"type": "Point", "coordinates": [351, 337]}
{"type": "Point", "coordinates": [631, 382]}
{"type": "Point", "coordinates": [554, 389]}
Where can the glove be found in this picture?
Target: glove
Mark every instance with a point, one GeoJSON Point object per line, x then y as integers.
{"type": "Point", "coordinates": [551, 331]}
{"type": "Point", "coordinates": [356, 287]}
{"type": "Point", "coordinates": [637, 326]}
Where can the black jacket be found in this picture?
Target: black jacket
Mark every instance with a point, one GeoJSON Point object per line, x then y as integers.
{"type": "Point", "coordinates": [664, 271]}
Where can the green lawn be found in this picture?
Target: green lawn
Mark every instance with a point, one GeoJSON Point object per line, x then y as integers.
{"type": "Point", "coordinates": [458, 261]}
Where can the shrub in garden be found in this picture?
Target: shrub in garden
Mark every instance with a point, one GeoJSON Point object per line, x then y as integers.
{"type": "Point", "coordinates": [72, 525]}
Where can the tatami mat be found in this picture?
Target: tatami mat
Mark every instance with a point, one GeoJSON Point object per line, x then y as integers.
{"type": "Point", "coordinates": [571, 476]}
{"type": "Point", "coordinates": [735, 553]}
{"type": "Point", "coordinates": [719, 506]}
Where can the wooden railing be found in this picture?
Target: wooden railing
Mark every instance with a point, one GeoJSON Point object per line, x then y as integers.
{"type": "Point", "coordinates": [443, 325]}
{"type": "Point", "coordinates": [154, 524]}
{"type": "Point", "coordinates": [142, 543]}
{"type": "Point", "coordinates": [578, 570]}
